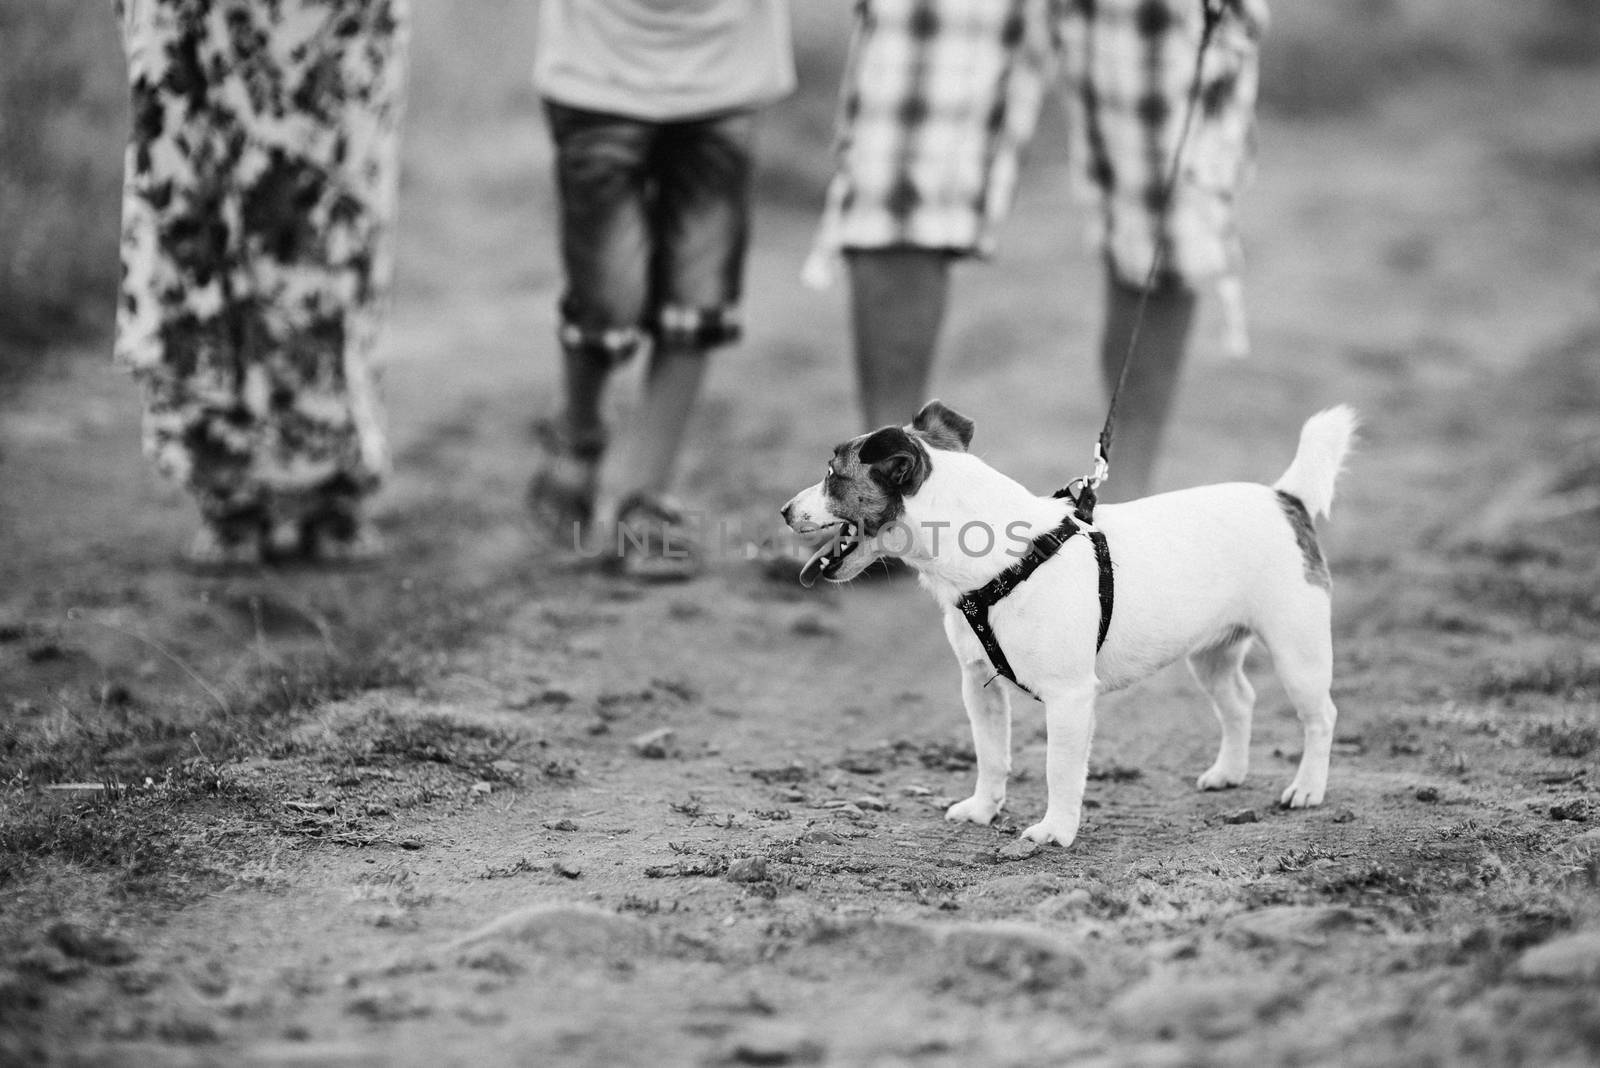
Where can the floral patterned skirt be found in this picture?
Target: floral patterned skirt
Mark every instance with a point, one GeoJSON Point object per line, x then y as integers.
{"type": "Point", "coordinates": [258, 209]}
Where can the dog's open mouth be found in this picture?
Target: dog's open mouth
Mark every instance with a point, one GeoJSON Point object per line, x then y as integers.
{"type": "Point", "coordinates": [827, 560]}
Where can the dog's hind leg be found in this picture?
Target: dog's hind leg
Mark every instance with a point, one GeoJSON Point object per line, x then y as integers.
{"type": "Point", "coordinates": [1304, 661]}
{"type": "Point", "coordinates": [1219, 669]}
{"type": "Point", "coordinates": [989, 713]}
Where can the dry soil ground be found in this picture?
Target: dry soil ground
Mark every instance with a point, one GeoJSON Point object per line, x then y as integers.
{"type": "Point", "coordinates": [404, 815]}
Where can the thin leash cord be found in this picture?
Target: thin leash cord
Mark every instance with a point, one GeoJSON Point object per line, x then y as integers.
{"type": "Point", "coordinates": [1211, 12]}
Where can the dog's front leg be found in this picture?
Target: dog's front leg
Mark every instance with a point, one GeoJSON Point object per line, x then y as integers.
{"type": "Point", "coordinates": [1069, 725]}
{"type": "Point", "coordinates": [989, 713]}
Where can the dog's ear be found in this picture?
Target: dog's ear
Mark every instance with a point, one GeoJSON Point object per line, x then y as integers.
{"type": "Point", "coordinates": [895, 458]}
{"type": "Point", "coordinates": [944, 427]}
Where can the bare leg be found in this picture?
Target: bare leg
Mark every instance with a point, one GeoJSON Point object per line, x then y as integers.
{"type": "Point", "coordinates": [898, 298]}
{"type": "Point", "coordinates": [1220, 672]}
{"type": "Point", "coordinates": [562, 491]}
{"type": "Point", "coordinates": [1153, 370]}
{"type": "Point", "coordinates": [1069, 723]}
{"type": "Point", "coordinates": [989, 712]}
{"type": "Point", "coordinates": [585, 379]}
{"type": "Point", "coordinates": [647, 456]}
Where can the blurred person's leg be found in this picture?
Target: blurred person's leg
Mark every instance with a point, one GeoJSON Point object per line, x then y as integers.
{"type": "Point", "coordinates": [897, 305]}
{"type": "Point", "coordinates": [602, 179]}
{"type": "Point", "coordinates": [1152, 378]}
{"type": "Point", "coordinates": [1145, 51]}
{"type": "Point", "coordinates": [700, 228]}
{"type": "Point", "coordinates": [924, 175]}
{"type": "Point", "coordinates": [649, 447]}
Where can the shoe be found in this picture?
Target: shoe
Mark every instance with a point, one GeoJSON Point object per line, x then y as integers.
{"type": "Point", "coordinates": [223, 544]}
{"type": "Point", "coordinates": [653, 541]}
{"type": "Point", "coordinates": [341, 537]}
{"type": "Point", "coordinates": [561, 493]}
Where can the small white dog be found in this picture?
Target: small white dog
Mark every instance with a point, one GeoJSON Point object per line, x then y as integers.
{"type": "Point", "coordinates": [1198, 573]}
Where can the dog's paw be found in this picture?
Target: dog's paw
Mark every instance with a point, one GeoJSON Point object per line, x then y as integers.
{"type": "Point", "coordinates": [1217, 777]}
{"type": "Point", "coordinates": [974, 809]}
{"type": "Point", "coordinates": [1046, 831]}
{"type": "Point", "coordinates": [1298, 796]}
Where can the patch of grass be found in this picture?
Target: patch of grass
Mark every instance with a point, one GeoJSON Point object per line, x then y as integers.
{"type": "Point", "coordinates": [1548, 599]}
{"type": "Point", "coordinates": [382, 739]}
{"type": "Point", "coordinates": [1368, 879]}
{"type": "Point", "coordinates": [136, 832]}
{"type": "Point", "coordinates": [520, 866]}
{"type": "Point", "coordinates": [182, 813]}
{"type": "Point", "coordinates": [395, 889]}
{"type": "Point", "coordinates": [1566, 738]}
{"type": "Point", "coordinates": [1512, 929]}
{"type": "Point", "coordinates": [1573, 677]}
{"type": "Point", "coordinates": [143, 830]}
{"type": "Point", "coordinates": [108, 733]}
{"type": "Point", "coordinates": [1512, 551]}
{"type": "Point", "coordinates": [1300, 859]}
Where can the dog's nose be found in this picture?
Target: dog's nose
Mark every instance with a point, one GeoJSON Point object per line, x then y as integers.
{"type": "Point", "coordinates": [786, 510]}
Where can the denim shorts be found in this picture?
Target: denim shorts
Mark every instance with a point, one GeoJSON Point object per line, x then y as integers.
{"type": "Point", "coordinates": [655, 217]}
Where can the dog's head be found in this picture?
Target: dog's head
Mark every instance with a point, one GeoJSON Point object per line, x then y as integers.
{"type": "Point", "coordinates": [865, 488]}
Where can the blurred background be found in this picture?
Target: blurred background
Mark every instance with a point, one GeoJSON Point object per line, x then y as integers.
{"type": "Point", "coordinates": [1421, 242]}
{"type": "Point", "coordinates": [62, 116]}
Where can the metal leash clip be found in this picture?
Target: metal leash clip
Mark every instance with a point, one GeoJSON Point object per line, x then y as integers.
{"type": "Point", "coordinates": [1102, 469]}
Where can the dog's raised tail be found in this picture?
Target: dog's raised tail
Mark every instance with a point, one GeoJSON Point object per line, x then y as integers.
{"type": "Point", "coordinates": [1325, 440]}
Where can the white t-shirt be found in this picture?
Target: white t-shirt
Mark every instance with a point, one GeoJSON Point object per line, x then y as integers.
{"type": "Point", "coordinates": [663, 60]}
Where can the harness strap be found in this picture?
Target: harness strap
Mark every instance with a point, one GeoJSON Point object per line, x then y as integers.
{"type": "Point", "coordinates": [975, 604]}
{"type": "Point", "coordinates": [1102, 556]}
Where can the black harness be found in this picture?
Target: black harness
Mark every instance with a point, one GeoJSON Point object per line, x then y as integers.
{"type": "Point", "coordinates": [975, 604]}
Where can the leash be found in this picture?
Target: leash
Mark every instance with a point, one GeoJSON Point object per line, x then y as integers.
{"type": "Point", "coordinates": [1082, 491]}
{"type": "Point", "coordinates": [975, 604]}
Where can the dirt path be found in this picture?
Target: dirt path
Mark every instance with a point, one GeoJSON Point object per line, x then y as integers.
{"type": "Point", "coordinates": [424, 814]}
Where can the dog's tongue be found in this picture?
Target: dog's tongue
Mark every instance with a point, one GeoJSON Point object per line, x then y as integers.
{"type": "Point", "coordinates": [817, 564]}
{"type": "Point", "coordinates": [829, 554]}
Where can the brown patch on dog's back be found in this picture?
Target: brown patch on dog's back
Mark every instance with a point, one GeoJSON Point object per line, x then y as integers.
{"type": "Point", "coordinates": [1305, 536]}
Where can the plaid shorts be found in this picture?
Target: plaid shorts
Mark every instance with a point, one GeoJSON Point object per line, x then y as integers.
{"type": "Point", "coordinates": [940, 97]}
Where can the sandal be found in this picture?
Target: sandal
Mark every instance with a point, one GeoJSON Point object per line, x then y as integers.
{"type": "Point", "coordinates": [229, 537]}
{"type": "Point", "coordinates": [341, 535]}
{"type": "Point", "coordinates": [562, 492]}
{"type": "Point", "coordinates": [219, 546]}
{"type": "Point", "coordinates": [654, 541]}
